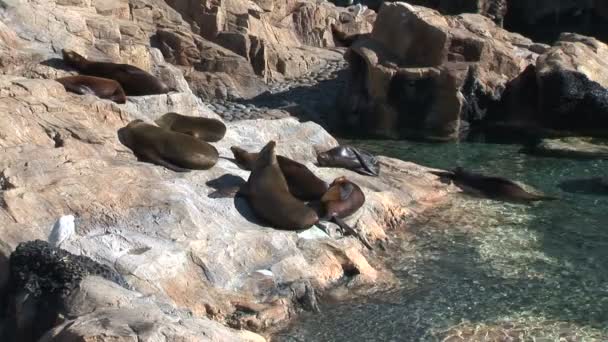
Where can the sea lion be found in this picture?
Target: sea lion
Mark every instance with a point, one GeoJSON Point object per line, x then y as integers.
{"type": "Point", "coordinates": [133, 80]}
{"type": "Point", "coordinates": [104, 88]}
{"type": "Point", "coordinates": [491, 187]}
{"type": "Point", "coordinates": [342, 199]}
{"type": "Point", "coordinates": [302, 183]}
{"type": "Point", "coordinates": [175, 151]}
{"type": "Point", "coordinates": [206, 129]}
{"type": "Point", "coordinates": [351, 158]}
{"type": "Point", "coordinates": [269, 196]}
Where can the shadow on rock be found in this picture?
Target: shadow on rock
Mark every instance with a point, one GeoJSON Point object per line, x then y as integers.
{"type": "Point", "coordinates": [57, 63]}
{"type": "Point", "coordinates": [590, 186]}
{"type": "Point", "coordinates": [228, 185]}
{"type": "Point", "coordinates": [306, 102]}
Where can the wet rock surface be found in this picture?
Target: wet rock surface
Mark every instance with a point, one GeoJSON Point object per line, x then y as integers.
{"type": "Point", "coordinates": [575, 148]}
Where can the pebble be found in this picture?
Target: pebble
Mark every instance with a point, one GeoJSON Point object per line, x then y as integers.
{"type": "Point", "coordinates": [315, 91]}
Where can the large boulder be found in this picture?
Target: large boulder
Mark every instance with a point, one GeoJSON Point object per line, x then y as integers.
{"type": "Point", "coordinates": [564, 94]}
{"type": "Point", "coordinates": [493, 9]}
{"type": "Point", "coordinates": [436, 77]}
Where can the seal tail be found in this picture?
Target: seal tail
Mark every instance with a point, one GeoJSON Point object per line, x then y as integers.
{"type": "Point", "coordinates": [351, 231]}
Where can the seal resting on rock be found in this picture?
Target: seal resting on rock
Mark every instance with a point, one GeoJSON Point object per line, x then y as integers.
{"type": "Point", "coordinates": [302, 183]}
{"type": "Point", "coordinates": [206, 129]}
{"type": "Point", "coordinates": [175, 151]}
{"type": "Point", "coordinates": [134, 81]}
{"type": "Point", "coordinates": [271, 200]}
{"type": "Point", "coordinates": [269, 196]}
{"type": "Point", "coordinates": [342, 199]}
{"type": "Point", "coordinates": [350, 158]}
{"type": "Point", "coordinates": [491, 187]}
{"type": "Point", "coordinates": [104, 88]}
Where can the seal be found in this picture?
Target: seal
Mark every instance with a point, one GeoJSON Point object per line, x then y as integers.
{"type": "Point", "coordinates": [491, 187]}
{"type": "Point", "coordinates": [342, 199]}
{"type": "Point", "coordinates": [205, 129]}
{"type": "Point", "coordinates": [302, 182]}
{"type": "Point", "coordinates": [175, 151]}
{"type": "Point", "coordinates": [134, 81]}
{"type": "Point", "coordinates": [269, 196]}
{"type": "Point", "coordinates": [350, 158]}
{"type": "Point", "coordinates": [104, 88]}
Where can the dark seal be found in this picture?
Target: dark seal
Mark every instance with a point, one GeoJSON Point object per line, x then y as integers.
{"type": "Point", "coordinates": [302, 182]}
{"type": "Point", "coordinates": [351, 158]}
{"type": "Point", "coordinates": [269, 196]}
{"type": "Point", "coordinates": [104, 88]}
{"type": "Point", "coordinates": [134, 81]}
{"type": "Point", "coordinates": [497, 188]}
{"type": "Point", "coordinates": [205, 129]}
{"type": "Point", "coordinates": [175, 151]}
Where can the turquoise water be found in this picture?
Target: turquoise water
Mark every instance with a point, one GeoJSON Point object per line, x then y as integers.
{"type": "Point", "coordinates": [481, 270]}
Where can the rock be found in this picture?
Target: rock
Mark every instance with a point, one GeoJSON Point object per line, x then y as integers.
{"type": "Point", "coordinates": [160, 230]}
{"type": "Point", "coordinates": [493, 9]}
{"type": "Point", "coordinates": [576, 148]}
{"type": "Point", "coordinates": [104, 312]}
{"type": "Point", "coordinates": [278, 39]}
{"type": "Point", "coordinates": [41, 278]}
{"type": "Point", "coordinates": [110, 31]}
{"type": "Point", "coordinates": [565, 93]}
{"type": "Point", "coordinates": [441, 77]}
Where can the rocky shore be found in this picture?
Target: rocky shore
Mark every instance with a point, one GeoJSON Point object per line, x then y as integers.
{"type": "Point", "coordinates": [197, 268]}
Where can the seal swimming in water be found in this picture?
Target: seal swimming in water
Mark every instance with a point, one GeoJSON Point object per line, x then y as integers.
{"type": "Point", "coordinates": [491, 187]}
{"type": "Point", "coordinates": [350, 158]}
{"type": "Point", "coordinates": [302, 183]}
{"type": "Point", "coordinates": [104, 88]}
{"type": "Point", "coordinates": [206, 129]}
{"type": "Point", "coordinates": [133, 80]}
{"type": "Point", "coordinates": [175, 151]}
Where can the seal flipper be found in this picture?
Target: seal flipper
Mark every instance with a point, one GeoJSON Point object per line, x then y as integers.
{"type": "Point", "coordinates": [346, 190]}
{"type": "Point", "coordinates": [350, 230]}
{"type": "Point", "coordinates": [78, 89]}
{"type": "Point", "coordinates": [230, 192]}
{"type": "Point", "coordinates": [366, 169]}
{"type": "Point", "coordinates": [155, 159]}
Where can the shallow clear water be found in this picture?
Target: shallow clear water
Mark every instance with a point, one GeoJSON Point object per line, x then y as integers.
{"type": "Point", "coordinates": [482, 270]}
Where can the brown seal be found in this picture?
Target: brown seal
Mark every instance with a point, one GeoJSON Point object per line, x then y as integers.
{"type": "Point", "coordinates": [175, 151]}
{"type": "Point", "coordinates": [302, 183]}
{"type": "Point", "coordinates": [269, 196]}
{"type": "Point", "coordinates": [133, 80]}
{"type": "Point", "coordinates": [491, 187]}
{"type": "Point", "coordinates": [201, 128]}
{"type": "Point", "coordinates": [342, 199]}
{"type": "Point", "coordinates": [104, 88]}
